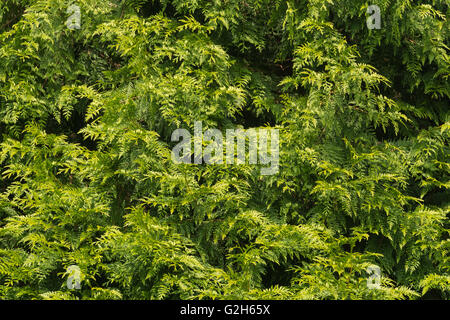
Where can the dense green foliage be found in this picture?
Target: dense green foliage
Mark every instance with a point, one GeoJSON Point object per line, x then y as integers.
{"type": "Point", "coordinates": [86, 117]}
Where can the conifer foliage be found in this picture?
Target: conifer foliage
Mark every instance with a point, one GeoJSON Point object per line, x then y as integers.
{"type": "Point", "coordinates": [87, 179]}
